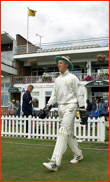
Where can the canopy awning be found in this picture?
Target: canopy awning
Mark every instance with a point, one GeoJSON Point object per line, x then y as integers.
{"type": "Point", "coordinates": [98, 84]}
{"type": "Point", "coordinates": [13, 90]}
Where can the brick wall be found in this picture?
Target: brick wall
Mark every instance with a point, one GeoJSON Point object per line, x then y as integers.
{"type": "Point", "coordinates": [21, 70]}
{"type": "Point", "coordinates": [19, 66]}
{"type": "Point", "coordinates": [27, 71]}
{"type": "Point", "coordinates": [21, 40]}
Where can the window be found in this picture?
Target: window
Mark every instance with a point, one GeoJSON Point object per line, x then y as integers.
{"type": "Point", "coordinates": [100, 68]}
{"type": "Point", "coordinates": [2, 87]}
{"type": "Point", "coordinates": [5, 95]}
{"type": "Point", "coordinates": [47, 97]}
{"type": "Point", "coordinates": [6, 47]}
{"type": "Point", "coordinates": [40, 71]}
{"type": "Point", "coordinates": [35, 95]}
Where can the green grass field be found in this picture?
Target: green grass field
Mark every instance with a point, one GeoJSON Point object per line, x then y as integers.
{"type": "Point", "coordinates": [21, 160]}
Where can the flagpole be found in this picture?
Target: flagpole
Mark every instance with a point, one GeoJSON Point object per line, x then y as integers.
{"type": "Point", "coordinates": [27, 27]}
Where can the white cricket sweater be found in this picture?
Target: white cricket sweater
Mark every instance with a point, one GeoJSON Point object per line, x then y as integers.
{"type": "Point", "coordinates": [67, 89]}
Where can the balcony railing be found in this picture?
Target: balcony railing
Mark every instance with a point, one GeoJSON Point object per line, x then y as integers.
{"type": "Point", "coordinates": [51, 79]}
{"type": "Point", "coordinates": [63, 45]}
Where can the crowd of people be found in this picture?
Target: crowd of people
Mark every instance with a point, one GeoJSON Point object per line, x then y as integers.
{"type": "Point", "coordinates": [97, 108]}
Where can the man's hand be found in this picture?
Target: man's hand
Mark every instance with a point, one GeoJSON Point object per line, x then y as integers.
{"type": "Point", "coordinates": [45, 111]}
{"type": "Point", "coordinates": [34, 101]}
{"type": "Point", "coordinates": [83, 115]}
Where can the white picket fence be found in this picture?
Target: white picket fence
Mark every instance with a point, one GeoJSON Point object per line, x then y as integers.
{"type": "Point", "coordinates": [48, 128]}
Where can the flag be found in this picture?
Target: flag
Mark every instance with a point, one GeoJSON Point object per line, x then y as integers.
{"type": "Point", "coordinates": [32, 12]}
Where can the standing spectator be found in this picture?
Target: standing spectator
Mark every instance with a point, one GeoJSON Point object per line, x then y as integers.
{"type": "Point", "coordinates": [89, 105]}
{"type": "Point", "coordinates": [11, 107]}
{"type": "Point", "coordinates": [27, 103]}
{"type": "Point", "coordinates": [97, 104]}
{"type": "Point", "coordinates": [18, 108]}
{"type": "Point", "coordinates": [103, 108]}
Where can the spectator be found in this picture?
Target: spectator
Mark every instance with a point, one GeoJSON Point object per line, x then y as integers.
{"type": "Point", "coordinates": [18, 108]}
{"type": "Point", "coordinates": [11, 107]}
{"type": "Point", "coordinates": [27, 104]}
{"type": "Point", "coordinates": [89, 105]}
{"type": "Point", "coordinates": [97, 104]}
{"type": "Point", "coordinates": [33, 112]}
{"type": "Point", "coordinates": [94, 113]}
{"type": "Point", "coordinates": [103, 108]}
{"type": "Point", "coordinates": [39, 112]}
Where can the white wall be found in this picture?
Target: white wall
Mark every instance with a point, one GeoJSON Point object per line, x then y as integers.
{"type": "Point", "coordinates": [6, 78]}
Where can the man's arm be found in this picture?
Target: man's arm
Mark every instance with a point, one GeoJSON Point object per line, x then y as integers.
{"type": "Point", "coordinates": [78, 92]}
{"type": "Point", "coordinates": [27, 98]}
{"type": "Point", "coordinates": [80, 97]}
{"type": "Point", "coordinates": [53, 98]}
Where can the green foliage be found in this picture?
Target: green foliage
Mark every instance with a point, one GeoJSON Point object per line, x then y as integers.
{"type": "Point", "coordinates": [20, 78]}
{"type": "Point", "coordinates": [104, 74]}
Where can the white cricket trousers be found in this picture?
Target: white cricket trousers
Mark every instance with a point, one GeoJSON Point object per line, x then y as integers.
{"type": "Point", "coordinates": [67, 115]}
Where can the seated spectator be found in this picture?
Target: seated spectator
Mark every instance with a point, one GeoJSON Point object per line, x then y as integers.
{"type": "Point", "coordinates": [39, 112]}
{"type": "Point", "coordinates": [94, 113]}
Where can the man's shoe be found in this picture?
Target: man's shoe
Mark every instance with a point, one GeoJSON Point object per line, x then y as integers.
{"type": "Point", "coordinates": [76, 159]}
{"type": "Point", "coordinates": [51, 166]}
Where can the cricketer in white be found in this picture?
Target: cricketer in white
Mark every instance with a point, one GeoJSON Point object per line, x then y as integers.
{"type": "Point", "coordinates": [69, 95]}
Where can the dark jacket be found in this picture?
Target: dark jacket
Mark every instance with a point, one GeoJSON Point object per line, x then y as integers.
{"type": "Point", "coordinates": [26, 99]}
{"type": "Point", "coordinates": [89, 106]}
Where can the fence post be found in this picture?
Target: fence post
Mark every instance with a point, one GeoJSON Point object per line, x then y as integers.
{"type": "Point", "coordinates": [29, 126]}
{"type": "Point", "coordinates": [9, 125]}
{"type": "Point", "coordinates": [2, 125]}
{"type": "Point", "coordinates": [16, 126]}
{"type": "Point", "coordinates": [6, 125]}
{"type": "Point", "coordinates": [102, 129]}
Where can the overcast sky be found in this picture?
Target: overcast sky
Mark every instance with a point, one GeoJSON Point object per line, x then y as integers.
{"type": "Point", "coordinates": [56, 20]}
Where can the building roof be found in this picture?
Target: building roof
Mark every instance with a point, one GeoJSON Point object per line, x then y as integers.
{"type": "Point", "coordinates": [6, 38]}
